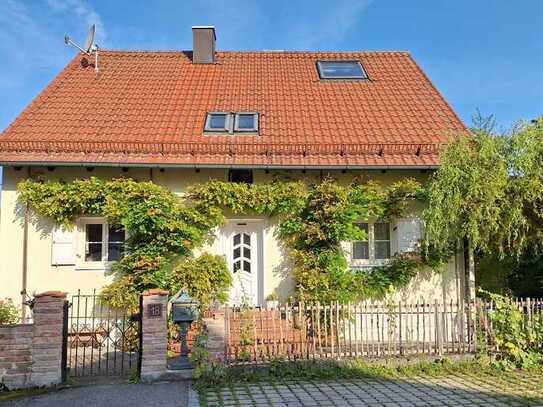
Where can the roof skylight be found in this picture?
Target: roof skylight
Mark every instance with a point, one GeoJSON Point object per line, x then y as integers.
{"type": "Point", "coordinates": [341, 70]}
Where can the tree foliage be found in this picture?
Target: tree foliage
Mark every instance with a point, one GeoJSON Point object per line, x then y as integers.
{"type": "Point", "coordinates": [489, 190]}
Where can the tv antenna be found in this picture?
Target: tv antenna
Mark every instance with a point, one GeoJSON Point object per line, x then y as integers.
{"type": "Point", "coordinates": [90, 46]}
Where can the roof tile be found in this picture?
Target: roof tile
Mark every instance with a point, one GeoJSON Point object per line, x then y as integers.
{"type": "Point", "coordinates": [146, 107]}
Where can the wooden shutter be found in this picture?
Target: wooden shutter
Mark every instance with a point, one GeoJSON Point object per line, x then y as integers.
{"type": "Point", "coordinates": [63, 249]}
{"type": "Point", "coordinates": [409, 234]}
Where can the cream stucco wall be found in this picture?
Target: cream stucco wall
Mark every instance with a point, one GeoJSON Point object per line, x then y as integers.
{"type": "Point", "coordinates": [41, 275]}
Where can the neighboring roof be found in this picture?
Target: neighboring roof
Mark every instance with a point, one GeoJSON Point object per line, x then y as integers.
{"type": "Point", "coordinates": [150, 108]}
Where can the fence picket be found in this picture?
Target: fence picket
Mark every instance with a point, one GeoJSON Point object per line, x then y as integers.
{"type": "Point", "coordinates": [361, 329]}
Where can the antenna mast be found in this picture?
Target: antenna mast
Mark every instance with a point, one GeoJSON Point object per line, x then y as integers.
{"type": "Point", "coordinates": [90, 45]}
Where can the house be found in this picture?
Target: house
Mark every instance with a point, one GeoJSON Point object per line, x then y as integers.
{"type": "Point", "coordinates": [179, 118]}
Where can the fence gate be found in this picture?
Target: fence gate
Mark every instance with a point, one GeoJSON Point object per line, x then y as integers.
{"type": "Point", "coordinates": [100, 341]}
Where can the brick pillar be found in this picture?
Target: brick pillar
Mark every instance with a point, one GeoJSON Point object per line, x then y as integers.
{"type": "Point", "coordinates": [154, 334]}
{"type": "Point", "coordinates": [47, 339]}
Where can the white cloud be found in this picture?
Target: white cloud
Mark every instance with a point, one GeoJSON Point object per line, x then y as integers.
{"type": "Point", "coordinates": [31, 36]}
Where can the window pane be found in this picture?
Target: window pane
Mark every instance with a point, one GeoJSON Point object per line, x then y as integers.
{"type": "Point", "coordinates": [246, 239]}
{"type": "Point", "coordinates": [382, 231]}
{"type": "Point", "coordinates": [364, 227]}
{"type": "Point", "coordinates": [115, 251]}
{"type": "Point", "coordinates": [247, 253]}
{"type": "Point", "coordinates": [116, 234]}
{"type": "Point", "coordinates": [93, 242]}
{"type": "Point", "coordinates": [247, 266]}
{"type": "Point", "coordinates": [341, 69]}
{"type": "Point", "coordinates": [361, 250]}
{"type": "Point", "coordinates": [241, 176]}
{"type": "Point", "coordinates": [246, 121]}
{"type": "Point", "coordinates": [217, 121]}
{"type": "Point", "coordinates": [93, 252]}
{"type": "Point", "coordinates": [93, 233]}
{"type": "Point", "coordinates": [237, 239]}
{"type": "Point", "coordinates": [382, 250]}
{"type": "Point", "coordinates": [237, 266]}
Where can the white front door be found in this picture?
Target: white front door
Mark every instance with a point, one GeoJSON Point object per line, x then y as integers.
{"type": "Point", "coordinates": [243, 240]}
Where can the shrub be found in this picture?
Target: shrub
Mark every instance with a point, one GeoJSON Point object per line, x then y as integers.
{"type": "Point", "coordinates": [520, 341]}
{"type": "Point", "coordinates": [9, 314]}
{"type": "Point", "coordinates": [205, 278]}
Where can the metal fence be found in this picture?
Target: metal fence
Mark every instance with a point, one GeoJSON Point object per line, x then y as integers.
{"type": "Point", "coordinates": [100, 341]}
{"type": "Point", "coordinates": [366, 329]}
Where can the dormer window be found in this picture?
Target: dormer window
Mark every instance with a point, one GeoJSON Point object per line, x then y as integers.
{"type": "Point", "coordinates": [218, 122]}
{"type": "Point", "coordinates": [246, 122]}
{"type": "Point", "coordinates": [341, 70]}
{"type": "Point", "coordinates": [223, 122]}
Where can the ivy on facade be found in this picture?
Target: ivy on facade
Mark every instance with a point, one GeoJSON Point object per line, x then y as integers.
{"type": "Point", "coordinates": [164, 229]}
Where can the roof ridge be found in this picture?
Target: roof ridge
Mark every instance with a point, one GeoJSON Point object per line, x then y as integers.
{"type": "Point", "coordinates": [301, 52]}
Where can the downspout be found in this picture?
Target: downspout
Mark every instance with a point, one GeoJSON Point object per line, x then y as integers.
{"type": "Point", "coordinates": [469, 271]}
{"type": "Point", "coordinates": [25, 256]}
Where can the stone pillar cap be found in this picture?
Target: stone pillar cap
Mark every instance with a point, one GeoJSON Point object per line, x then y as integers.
{"type": "Point", "coordinates": [54, 294]}
{"type": "Point", "coordinates": [156, 291]}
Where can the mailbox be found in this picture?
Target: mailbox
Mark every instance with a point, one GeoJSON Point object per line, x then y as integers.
{"type": "Point", "coordinates": [185, 308]}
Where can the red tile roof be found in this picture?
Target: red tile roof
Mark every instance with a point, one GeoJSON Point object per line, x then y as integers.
{"type": "Point", "coordinates": [150, 107]}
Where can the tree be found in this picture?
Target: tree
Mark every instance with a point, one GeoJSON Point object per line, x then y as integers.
{"type": "Point", "coordinates": [489, 190]}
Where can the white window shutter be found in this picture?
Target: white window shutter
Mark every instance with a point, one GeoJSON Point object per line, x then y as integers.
{"type": "Point", "coordinates": [63, 249]}
{"type": "Point", "coordinates": [409, 233]}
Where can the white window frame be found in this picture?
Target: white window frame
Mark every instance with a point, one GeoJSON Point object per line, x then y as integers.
{"type": "Point", "coordinates": [102, 265]}
{"type": "Point", "coordinates": [227, 123]}
{"type": "Point", "coordinates": [321, 65]}
{"type": "Point", "coordinates": [254, 129]}
{"type": "Point", "coordinates": [371, 261]}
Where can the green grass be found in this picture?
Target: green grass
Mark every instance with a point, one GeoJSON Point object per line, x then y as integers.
{"type": "Point", "coordinates": [356, 369]}
{"type": "Point", "coordinates": [16, 394]}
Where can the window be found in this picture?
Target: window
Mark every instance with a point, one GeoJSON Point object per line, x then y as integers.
{"type": "Point", "coordinates": [246, 122]}
{"type": "Point", "coordinates": [223, 122]}
{"type": "Point", "coordinates": [341, 70]}
{"type": "Point", "coordinates": [99, 243]}
{"type": "Point", "coordinates": [241, 176]}
{"type": "Point", "coordinates": [218, 122]}
{"type": "Point", "coordinates": [376, 247]}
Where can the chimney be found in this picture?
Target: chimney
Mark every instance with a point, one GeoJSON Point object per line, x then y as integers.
{"type": "Point", "coordinates": [203, 44]}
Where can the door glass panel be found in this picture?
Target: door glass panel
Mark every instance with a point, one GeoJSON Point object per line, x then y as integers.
{"type": "Point", "coordinates": [237, 253]}
{"type": "Point", "coordinates": [247, 266]}
{"type": "Point", "coordinates": [237, 266]}
{"type": "Point", "coordinates": [237, 239]}
{"type": "Point", "coordinates": [246, 252]}
{"type": "Point", "coordinates": [246, 239]}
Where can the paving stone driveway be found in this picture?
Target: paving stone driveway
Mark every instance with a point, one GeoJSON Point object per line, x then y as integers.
{"type": "Point", "coordinates": [450, 391]}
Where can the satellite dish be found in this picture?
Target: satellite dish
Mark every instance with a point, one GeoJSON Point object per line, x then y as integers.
{"type": "Point", "coordinates": [90, 46]}
{"type": "Point", "coordinates": [90, 38]}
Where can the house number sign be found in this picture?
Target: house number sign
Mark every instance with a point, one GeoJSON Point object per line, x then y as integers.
{"type": "Point", "coordinates": [154, 310]}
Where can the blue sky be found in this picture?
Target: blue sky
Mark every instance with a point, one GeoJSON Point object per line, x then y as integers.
{"type": "Point", "coordinates": [483, 54]}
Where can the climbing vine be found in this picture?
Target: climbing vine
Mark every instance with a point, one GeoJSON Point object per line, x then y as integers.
{"type": "Point", "coordinates": [164, 229]}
